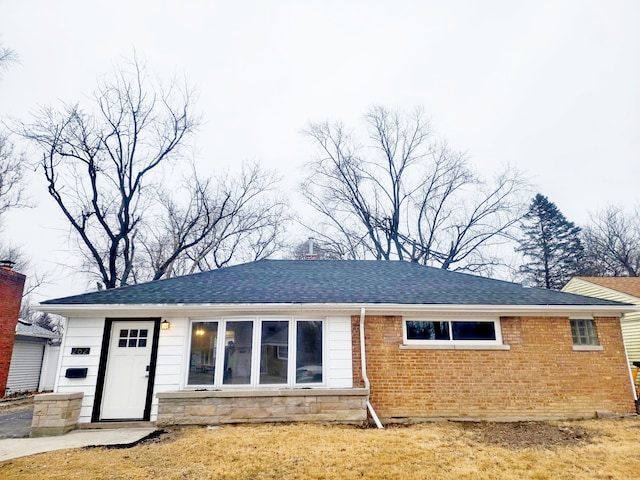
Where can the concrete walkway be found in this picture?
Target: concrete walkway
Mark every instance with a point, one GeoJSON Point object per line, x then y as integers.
{"type": "Point", "coordinates": [22, 447]}
{"type": "Point", "coordinates": [16, 423]}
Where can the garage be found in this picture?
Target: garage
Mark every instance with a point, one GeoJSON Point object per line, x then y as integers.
{"type": "Point", "coordinates": [34, 349]}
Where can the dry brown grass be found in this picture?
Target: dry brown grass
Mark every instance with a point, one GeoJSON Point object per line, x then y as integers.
{"type": "Point", "coordinates": [602, 449]}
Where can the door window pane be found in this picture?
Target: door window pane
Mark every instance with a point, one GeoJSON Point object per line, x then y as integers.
{"type": "Point", "coordinates": [203, 353]}
{"type": "Point", "coordinates": [309, 352]}
{"type": "Point", "coordinates": [237, 354]}
{"type": "Point", "coordinates": [274, 342]}
{"type": "Point", "coordinates": [129, 338]}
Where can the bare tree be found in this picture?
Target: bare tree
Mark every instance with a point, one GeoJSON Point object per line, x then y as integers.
{"type": "Point", "coordinates": [101, 164]}
{"type": "Point", "coordinates": [403, 195]}
{"type": "Point", "coordinates": [11, 171]}
{"type": "Point", "coordinates": [226, 219]}
{"type": "Point", "coordinates": [612, 243]}
{"type": "Point", "coordinates": [11, 174]}
{"type": "Point", "coordinates": [107, 168]}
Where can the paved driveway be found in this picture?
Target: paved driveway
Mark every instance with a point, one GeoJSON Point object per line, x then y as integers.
{"type": "Point", "coordinates": [16, 422]}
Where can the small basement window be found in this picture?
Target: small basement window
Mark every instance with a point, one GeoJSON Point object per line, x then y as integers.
{"type": "Point", "coordinates": [583, 332]}
{"type": "Point", "coordinates": [452, 333]}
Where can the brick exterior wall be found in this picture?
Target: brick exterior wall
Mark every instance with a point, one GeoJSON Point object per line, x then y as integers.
{"type": "Point", "coordinates": [11, 286]}
{"type": "Point", "coordinates": [540, 377]}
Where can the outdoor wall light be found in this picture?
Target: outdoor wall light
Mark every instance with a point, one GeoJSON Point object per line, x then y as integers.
{"type": "Point", "coordinates": [165, 325]}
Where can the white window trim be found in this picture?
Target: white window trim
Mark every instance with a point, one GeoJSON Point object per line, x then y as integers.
{"type": "Point", "coordinates": [255, 353]}
{"type": "Point", "coordinates": [588, 348]}
{"type": "Point", "coordinates": [496, 344]}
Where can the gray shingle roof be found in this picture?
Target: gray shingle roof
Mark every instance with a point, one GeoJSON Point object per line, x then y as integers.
{"type": "Point", "coordinates": [329, 282]}
{"type": "Point", "coordinates": [31, 330]}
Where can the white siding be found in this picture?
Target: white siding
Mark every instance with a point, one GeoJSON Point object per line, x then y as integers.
{"type": "Point", "coordinates": [26, 364]}
{"type": "Point", "coordinates": [339, 354]}
{"type": "Point", "coordinates": [589, 289]}
{"type": "Point", "coordinates": [49, 367]}
{"type": "Point", "coordinates": [171, 364]}
{"type": "Point", "coordinates": [172, 355]}
{"type": "Point", "coordinates": [81, 332]}
{"type": "Point", "coordinates": [631, 334]}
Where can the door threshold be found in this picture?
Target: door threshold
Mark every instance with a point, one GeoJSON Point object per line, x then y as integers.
{"type": "Point", "coordinates": [116, 424]}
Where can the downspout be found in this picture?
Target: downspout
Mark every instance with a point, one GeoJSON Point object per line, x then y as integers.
{"type": "Point", "coordinates": [363, 358]}
{"type": "Point", "coordinates": [626, 357]}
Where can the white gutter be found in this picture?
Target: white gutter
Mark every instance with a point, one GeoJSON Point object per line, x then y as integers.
{"type": "Point", "coordinates": [376, 308]}
{"type": "Point", "coordinates": [363, 358]}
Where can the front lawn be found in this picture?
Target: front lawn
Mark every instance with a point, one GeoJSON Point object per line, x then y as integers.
{"type": "Point", "coordinates": [593, 449]}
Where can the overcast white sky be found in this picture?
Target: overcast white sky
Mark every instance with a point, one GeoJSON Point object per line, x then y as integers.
{"type": "Point", "coordinates": [551, 87]}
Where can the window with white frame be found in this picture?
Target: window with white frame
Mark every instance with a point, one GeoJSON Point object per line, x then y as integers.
{"type": "Point", "coordinates": [583, 331]}
{"type": "Point", "coordinates": [452, 332]}
{"type": "Point", "coordinates": [256, 352]}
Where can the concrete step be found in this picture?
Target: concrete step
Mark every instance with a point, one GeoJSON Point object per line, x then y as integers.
{"type": "Point", "coordinates": [112, 425]}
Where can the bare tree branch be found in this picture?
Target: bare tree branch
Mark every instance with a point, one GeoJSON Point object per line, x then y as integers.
{"type": "Point", "coordinates": [225, 220]}
{"type": "Point", "coordinates": [407, 196]}
{"type": "Point", "coordinates": [612, 243]}
{"type": "Point", "coordinates": [7, 57]}
{"type": "Point", "coordinates": [11, 175]}
{"type": "Point", "coordinates": [100, 164]}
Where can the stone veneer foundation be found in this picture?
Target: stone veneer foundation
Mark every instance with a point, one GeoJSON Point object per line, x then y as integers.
{"type": "Point", "coordinates": [306, 405]}
{"type": "Point", "coordinates": [55, 413]}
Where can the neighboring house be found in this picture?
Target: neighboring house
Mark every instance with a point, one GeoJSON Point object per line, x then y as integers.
{"type": "Point", "coordinates": [34, 359]}
{"type": "Point", "coordinates": [280, 340]}
{"type": "Point", "coordinates": [620, 289]}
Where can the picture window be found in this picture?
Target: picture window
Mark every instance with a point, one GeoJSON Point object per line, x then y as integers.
{"type": "Point", "coordinates": [256, 352]}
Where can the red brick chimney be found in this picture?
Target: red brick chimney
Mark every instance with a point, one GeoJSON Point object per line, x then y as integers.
{"type": "Point", "coordinates": [11, 286]}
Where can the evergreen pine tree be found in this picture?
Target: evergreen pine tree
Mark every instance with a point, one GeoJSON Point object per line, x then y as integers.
{"type": "Point", "coordinates": [551, 243]}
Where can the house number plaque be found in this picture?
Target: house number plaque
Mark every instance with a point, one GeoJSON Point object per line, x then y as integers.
{"type": "Point", "coordinates": [80, 350]}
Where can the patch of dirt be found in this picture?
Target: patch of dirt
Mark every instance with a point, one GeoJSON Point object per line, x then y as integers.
{"type": "Point", "coordinates": [157, 437]}
{"type": "Point", "coordinates": [162, 436]}
{"type": "Point", "coordinates": [16, 401]}
{"type": "Point", "coordinates": [518, 435]}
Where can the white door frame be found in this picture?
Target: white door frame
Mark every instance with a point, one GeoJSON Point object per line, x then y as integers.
{"type": "Point", "coordinates": [107, 348]}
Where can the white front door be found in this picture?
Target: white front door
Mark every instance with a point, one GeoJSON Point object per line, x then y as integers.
{"type": "Point", "coordinates": [126, 380]}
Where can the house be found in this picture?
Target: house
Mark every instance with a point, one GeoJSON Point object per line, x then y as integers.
{"type": "Point", "coordinates": [11, 286]}
{"type": "Point", "coordinates": [620, 289]}
{"type": "Point", "coordinates": [287, 340]}
{"type": "Point", "coordinates": [34, 359]}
